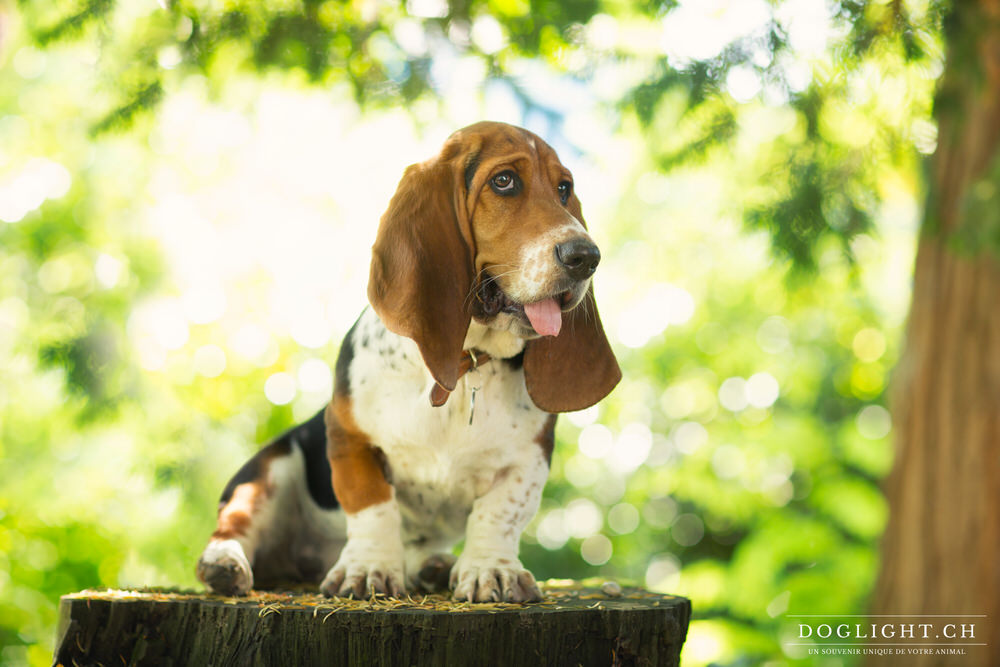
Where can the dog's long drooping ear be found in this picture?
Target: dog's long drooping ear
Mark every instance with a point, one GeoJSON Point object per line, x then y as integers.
{"type": "Point", "coordinates": [421, 269]}
{"type": "Point", "coordinates": [575, 369]}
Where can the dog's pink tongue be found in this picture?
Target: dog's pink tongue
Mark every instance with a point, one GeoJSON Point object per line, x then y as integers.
{"type": "Point", "coordinates": [545, 316]}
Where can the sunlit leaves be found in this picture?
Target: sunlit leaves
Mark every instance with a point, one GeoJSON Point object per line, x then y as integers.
{"type": "Point", "coordinates": [67, 20]}
{"type": "Point", "coordinates": [853, 114]}
{"type": "Point", "coordinates": [141, 100]}
{"type": "Point", "coordinates": [383, 54]}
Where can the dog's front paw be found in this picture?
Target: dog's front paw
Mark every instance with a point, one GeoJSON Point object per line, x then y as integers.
{"type": "Point", "coordinates": [361, 577]}
{"type": "Point", "coordinates": [225, 569]}
{"type": "Point", "coordinates": [493, 580]}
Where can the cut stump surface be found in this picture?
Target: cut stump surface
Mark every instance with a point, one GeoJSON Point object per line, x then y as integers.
{"type": "Point", "coordinates": [573, 625]}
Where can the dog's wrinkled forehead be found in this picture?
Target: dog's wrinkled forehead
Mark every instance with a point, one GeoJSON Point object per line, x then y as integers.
{"type": "Point", "coordinates": [486, 143]}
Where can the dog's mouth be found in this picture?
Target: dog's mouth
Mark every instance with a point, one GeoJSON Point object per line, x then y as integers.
{"type": "Point", "coordinates": [544, 316]}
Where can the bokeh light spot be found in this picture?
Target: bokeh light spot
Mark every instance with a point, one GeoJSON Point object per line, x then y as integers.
{"type": "Point", "coordinates": [874, 422]}
{"type": "Point", "coordinates": [869, 345]}
{"type": "Point", "coordinates": [314, 376]}
{"type": "Point", "coordinates": [687, 530]}
{"type": "Point", "coordinates": [663, 573]}
{"type": "Point", "coordinates": [761, 390]}
{"type": "Point", "coordinates": [487, 34]}
{"type": "Point", "coordinates": [595, 441]}
{"type": "Point", "coordinates": [661, 306]}
{"type": "Point", "coordinates": [733, 395]}
{"type": "Point", "coordinates": [689, 437]}
{"type": "Point", "coordinates": [582, 518]}
{"type": "Point", "coordinates": [631, 448]}
{"type": "Point", "coordinates": [728, 461]}
{"type": "Point", "coordinates": [743, 83]}
{"type": "Point", "coordinates": [551, 532]}
{"type": "Point", "coordinates": [209, 361]}
{"type": "Point", "coordinates": [773, 335]}
{"type": "Point", "coordinates": [204, 303]}
{"type": "Point", "coordinates": [596, 550]}
{"type": "Point", "coordinates": [280, 388]}
{"type": "Point", "coordinates": [108, 270]}
{"type": "Point", "coordinates": [585, 417]}
{"type": "Point", "coordinates": [623, 518]}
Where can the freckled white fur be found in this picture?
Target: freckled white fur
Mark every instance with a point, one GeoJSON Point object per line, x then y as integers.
{"type": "Point", "coordinates": [373, 545]}
{"type": "Point", "coordinates": [539, 270]}
{"type": "Point", "coordinates": [450, 478]}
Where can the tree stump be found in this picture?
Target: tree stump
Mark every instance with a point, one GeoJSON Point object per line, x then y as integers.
{"type": "Point", "coordinates": [573, 625]}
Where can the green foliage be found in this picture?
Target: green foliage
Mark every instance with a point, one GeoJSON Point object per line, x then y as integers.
{"type": "Point", "coordinates": [820, 182]}
{"type": "Point", "coordinates": [754, 417]}
{"type": "Point", "coordinates": [326, 42]}
{"type": "Point", "coordinates": [70, 23]}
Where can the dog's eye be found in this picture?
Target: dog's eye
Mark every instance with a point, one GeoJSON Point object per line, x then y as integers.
{"type": "Point", "coordinates": [505, 183]}
{"type": "Point", "coordinates": [565, 189]}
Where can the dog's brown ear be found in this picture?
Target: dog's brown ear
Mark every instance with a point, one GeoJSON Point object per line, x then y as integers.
{"type": "Point", "coordinates": [421, 269]}
{"type": "Point", "coordinates": [575, 369]}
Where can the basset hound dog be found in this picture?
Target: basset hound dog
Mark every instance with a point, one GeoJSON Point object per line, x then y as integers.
{"type": "Point", "coordinates": [482, 327]}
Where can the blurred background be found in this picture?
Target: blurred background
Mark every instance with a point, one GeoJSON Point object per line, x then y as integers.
{"type": "Point", "coordinates": [189, 192]}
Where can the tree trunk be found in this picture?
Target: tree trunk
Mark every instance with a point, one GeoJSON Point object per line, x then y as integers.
{"type": "Point", "coordinates": [572, 626]}
{"type": "Point", "coordinates": [941, 549]}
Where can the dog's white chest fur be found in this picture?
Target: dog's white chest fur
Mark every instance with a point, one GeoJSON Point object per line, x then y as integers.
{"type": "Point", "coordinates": [439, 463]}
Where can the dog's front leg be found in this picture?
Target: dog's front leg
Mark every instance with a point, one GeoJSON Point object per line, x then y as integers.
{"type": "Point", "coordinates": [489, 569]}
{"type": "Point", "coordinates": [372, 559]}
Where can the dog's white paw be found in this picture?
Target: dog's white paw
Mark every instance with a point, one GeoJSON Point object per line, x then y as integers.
{"type": "Point", "coordinates": [225, 569]}
{"type": "Point", "coordinates": [360, 572]}
{"type": "Point", "coordinates": [493, 580]}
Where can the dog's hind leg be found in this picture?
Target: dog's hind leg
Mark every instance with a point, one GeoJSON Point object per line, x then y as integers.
{"type": "Point", "coordinates": [277, 522]}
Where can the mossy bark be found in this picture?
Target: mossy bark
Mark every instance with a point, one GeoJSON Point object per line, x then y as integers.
{"type": "Point", "coordinates": [571, 627]}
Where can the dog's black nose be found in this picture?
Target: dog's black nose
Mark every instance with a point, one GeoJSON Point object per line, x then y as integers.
{"type": "Point", "coordinates": [579, 257]}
